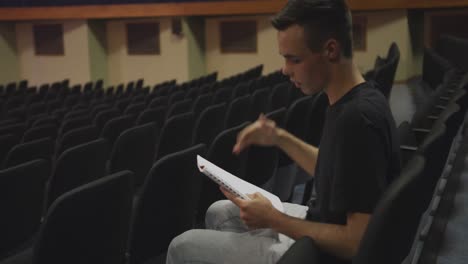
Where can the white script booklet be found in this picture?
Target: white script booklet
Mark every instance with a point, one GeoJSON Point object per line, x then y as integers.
{"type": "Point", "coordinates": [235, 184]}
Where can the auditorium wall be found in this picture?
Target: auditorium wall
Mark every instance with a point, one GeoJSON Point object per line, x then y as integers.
{"type": "Point", "coordinates": [171, 63]}
{"type": "Point", "coordinates": [228, 64]}
{"type": "Point", "coordinates": [383, 27]}
{"type": "Point", "coordinates": [73, 65]}
{"type": "Point", "coordinates": [98, 50]}
{"type": "Point", "coordinates": [9, 66]}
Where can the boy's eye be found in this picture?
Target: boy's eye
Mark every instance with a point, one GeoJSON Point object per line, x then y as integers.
{"type": "Point", "coordinates": [295, 60]}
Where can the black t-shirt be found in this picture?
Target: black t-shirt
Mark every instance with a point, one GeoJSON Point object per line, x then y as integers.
{"type": "Point", "coordinates": [358, 156]}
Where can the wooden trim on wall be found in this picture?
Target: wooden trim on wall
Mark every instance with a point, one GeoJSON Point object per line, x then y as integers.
{"type": "Point", "coordinates": [362, 5]}
{"type": "Point", "coordinates": [246, 7]}
{"type": "Point", "coordinates": [143, 10]}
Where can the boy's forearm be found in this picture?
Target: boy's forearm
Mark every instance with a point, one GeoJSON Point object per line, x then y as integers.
{"type": "Point", "coordinates": [305, 155]}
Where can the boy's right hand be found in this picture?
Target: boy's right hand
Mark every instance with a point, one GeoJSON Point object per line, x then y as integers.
{"type": "Point", "coordinates": [263, 132]}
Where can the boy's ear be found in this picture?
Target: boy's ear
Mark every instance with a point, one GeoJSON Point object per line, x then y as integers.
{"type": "Point", "coordinates": [332, 49]}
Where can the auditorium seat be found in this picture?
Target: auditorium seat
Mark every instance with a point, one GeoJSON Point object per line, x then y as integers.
{"type": "Point", "coordinates": [114, 127]}
{"type": "Point", "coordinates": [176, 173]}
{"type": "Point", "coordinates": [32, 150]}
{"type": "Point", "coordinates": [89, 224]}
{"type": "Point", "coordinates": [220, 154]}
{"type": "Point", "coordinates": [201, 103]}
{"type": "Point", "coordinates": [209, 124]}
{"type": "Point", "coordinates": [45, 131]}
{"type": "Point", "coordinates": [176, 134]}
{"type": "Point", "coordinates": [279, 96]}
{"type": "Point", "coordinates": [238, 111]}
{"type": "Point", "coordinates": [22, 194]}
{"type": "Point", "coordinates": [76, 137]}
{"type": "Point", "coordinates": [134, 150]}
{"type": "Point", "coordinates": [159, 101]}
{"type": "Point", "coordinates": [77, 166]}
{"type": "Point", "coordinates": [179, 107]}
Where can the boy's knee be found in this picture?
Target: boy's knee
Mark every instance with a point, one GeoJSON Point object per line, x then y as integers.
{"type": "Point", "coordinates": [181, 246]}
{"type": "Point", "coordinates": [218, 211]}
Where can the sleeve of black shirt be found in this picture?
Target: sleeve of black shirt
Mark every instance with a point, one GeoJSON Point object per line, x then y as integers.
{"type": "Point", "coordinates": [361, 166]}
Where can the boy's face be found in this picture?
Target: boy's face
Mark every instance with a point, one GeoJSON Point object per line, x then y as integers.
{"type": "Point", "coordinates": [308, 70]}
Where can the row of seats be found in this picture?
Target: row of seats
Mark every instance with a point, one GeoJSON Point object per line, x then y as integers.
{"type": "Point", "coordinates": [89, 161]}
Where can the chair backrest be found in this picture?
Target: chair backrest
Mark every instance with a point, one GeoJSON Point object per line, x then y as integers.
{"type": "Point", "coordinates": [114, 127]}
{"type": "Point", "coordinates": [175, 97]}
{"type": "Point", "coordinates": [434, 68]}
{"type": "Point", "coordinates": [47, 120]}
{"type": "Point", "coordinates": [134, 151]}
{"type": "Point", "coordinates": [261, 163]}
{"type": "Point", "coordinates": [209, 124]}
{"type": "Point", "coordinates": [76, 113]}
{"type": "Point", "coordinates": [222, 95]}
{"type": "Point", "coordinates": [179, 107]}
{"type": "Point", "coordinates": [384, 74]}
{"type": "Point", "coordinates": [435, 149]}
{"type": "Point", "coordinates": [176, 134]}
{"type": "Point", "coordinates": [279, 96]}
{"type": "Point", "coordinates": [259, 102]}
{"type": "Point", "coordinates": [45, 131]}
{"type": "Point", "coordinates": [394, 222]}
{"type": "Point", "coordinates": [122, 104]}
{"type": "Point", "coordinates": [238, 111]}
{"type": "Point", "coordinates": [135, 109]}
{"type": "Point", "coordinates": [201, 103]}
{"type": "Point", "coordinates": [77, 166]}
{"type": "Point", "coordinates": [7, 142]}
{"type": "Point", "coordinates": [99, 108]}
{"type": "Point", "coordinates": [138, 99]}
{"type": "Point", "coordinates": [17, 113]}
{"type": "Point", "coordinates": [102, 117]}
{"type": "Point", "coordinates": [156, 115]}
{"type": "Point", "coordinates": [279, 116]}
{"type": "Point", "coordinates": [22, 192]}
{"type": "Point", "coordinates": [16, 130]}
{"type": "Point", "coordinates": [37, 149]}
{"type": "Point", "coordinates": [159, 101]}
{"type": "Point", "coordinates": [70, 124]}
{"type": "Point", "coordinates": [89, 224]}
{"type": "Point", "coordinates": [37, 108]}
{"type": "Point", "coordinates": [176, 173]}
{"type": "Point", "coordinates": [192, 93]}
{"type": "Point", "coordinates": [220, 153]}
{"type": "Point", "coordinates": [76, 137]}
{"type": "Point", "coordinates": [240, 89]}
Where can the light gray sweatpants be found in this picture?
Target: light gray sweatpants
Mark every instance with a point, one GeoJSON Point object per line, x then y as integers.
{"type": "Point", "coordinates": [228, 240]}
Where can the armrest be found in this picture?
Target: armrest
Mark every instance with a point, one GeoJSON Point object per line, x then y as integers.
{"type": "Point", "coordinates": [422, 130]}
{"type": "Point", "coordinates": [406, 147]}
{"type": "Point", "coordinates": [303, 251]}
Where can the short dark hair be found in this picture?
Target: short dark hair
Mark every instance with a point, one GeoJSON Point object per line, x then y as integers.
{"type": "Point", "coordinates": [321, 19]}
